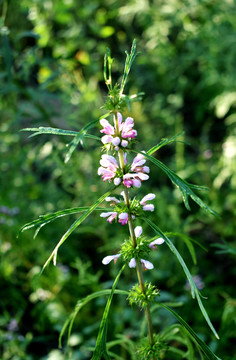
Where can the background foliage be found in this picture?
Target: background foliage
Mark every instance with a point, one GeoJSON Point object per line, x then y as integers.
{"type": "Point", "coordinates": [51, 74]}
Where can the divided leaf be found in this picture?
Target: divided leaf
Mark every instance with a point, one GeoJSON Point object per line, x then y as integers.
{"type": "Point", "coordinates": [184, 186]}
{"type": "Point", "coordinates": [47, 218]}
{"type": "Point", "coordinates": [78, 136]}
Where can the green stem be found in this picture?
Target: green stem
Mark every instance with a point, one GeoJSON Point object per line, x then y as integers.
{"type": "Point", "coordinates": [134, 242]}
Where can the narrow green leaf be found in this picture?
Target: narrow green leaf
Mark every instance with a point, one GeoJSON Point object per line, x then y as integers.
{"type": "Point", "coordinates": [107, 69]}
{"type": "Point", "coordinates": [72, 228]}
{"type": "Point", "coordinates": [188, 242]}
{"type": "Point", "coordinates": [164, 142]}
{"type": "Point", "coordinates": [100, 348]}
{"type": "Point", "coordinates": [48, 130]}
{"type": "Point", "coordinates": [194, 289]}
{"type": "Point", "coordinates": [79, 137]}
{"type": "Point", "coordinates": [207, 351]}
{"type": "Point", "coordinates": [184, 186]}
{"type": "Point", "coordinates": [183, 236]}
{"type": "Point", "coordinates": [79, 305]}
{"type": "Point", "coordinates": [128, 63]}
{"type": "Point", "coordinates": [47, 218]}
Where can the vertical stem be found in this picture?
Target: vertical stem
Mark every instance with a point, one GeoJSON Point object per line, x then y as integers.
{"type": "Point", "coordinates": [134, 241]}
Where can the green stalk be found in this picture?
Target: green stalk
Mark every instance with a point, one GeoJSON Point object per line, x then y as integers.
{"type": "Point", "coordinates": [134, 242]}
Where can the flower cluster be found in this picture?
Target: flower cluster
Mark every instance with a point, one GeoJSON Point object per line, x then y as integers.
{"type": "Point", "coordinates": [123, 213]}
{"type": "Point", "coordinates": [133, 262]}
{"type": "Point", "coordinates": [136, 173]}
{"type": "Point", "coordinates": [120, 134]}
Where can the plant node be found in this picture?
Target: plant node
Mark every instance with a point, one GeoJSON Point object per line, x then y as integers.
{"type": "Point", "coordinates": [141, 299]}
{"type": "Point", "coordinates": [146, 351]}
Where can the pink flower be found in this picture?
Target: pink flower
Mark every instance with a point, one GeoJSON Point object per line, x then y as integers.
{"type": "Point", "coordinates": [110, 215]}
{"type": "Point", "coordinates": [138, 173]}
{"type": "Point", "coordinates": [146, 198]}
{"type": "Point", "coordinates": [108, 168]}
{"type": "Point", "coordinates": [149, 207]}
{"type": "Point", "coordinates": [137, 164]}
{"type": "Point", "coordinates": [123, 218]}
{"type": "Point", "coordinates": [107, 127]}
{"type": "Point", "coordinates": [134, 179]}
{"type": "Point", "coordinates": [127, 129]}
{"type": "Point", "coordinates": [109, 258]}
{"type": "Point", "coordinates": [118, 136]}
{"type": "Point", "coordinates": [153, 244]}
{"type": "Point", "coordinates": [145, 264]}
{"type": "Point", "coordinates": [112, 198]}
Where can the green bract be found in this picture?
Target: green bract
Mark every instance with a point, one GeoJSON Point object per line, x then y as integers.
{"type": "Point", "coordinates": [136, 296]}
{"type": "Point", "coordinates": [146, 351]}
{"type": "Point", "coordinates": [128, 251]}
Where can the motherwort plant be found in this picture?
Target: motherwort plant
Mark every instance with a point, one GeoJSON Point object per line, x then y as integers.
{"type": "Point", "coordinates": [125, 170]}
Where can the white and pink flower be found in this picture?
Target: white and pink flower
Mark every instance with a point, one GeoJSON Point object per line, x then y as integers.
{"type": "Point", "coordinates": [146, 265]}
{"type": "Point", "coordinates": [109, 258]}
{"type": "Point", "coordinates": [153, 245]}
{"type": "Point", "coordinates": [123, 218]}
{"type": "Point", "coordinates": [118, 136]}
{"type": "Point", "coordinates": [143, 202]}
{"type": "Point", "coordinates": [109, 168]}
{"type": "Point", "coordinates": [111, 215]}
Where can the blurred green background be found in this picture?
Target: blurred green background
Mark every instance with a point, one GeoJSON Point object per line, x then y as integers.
{"type": "Point", "coordinates": [51, 73]}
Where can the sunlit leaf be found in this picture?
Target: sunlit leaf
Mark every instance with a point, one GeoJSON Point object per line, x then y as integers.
{"type": "Point", "coordinates": [128, 63]}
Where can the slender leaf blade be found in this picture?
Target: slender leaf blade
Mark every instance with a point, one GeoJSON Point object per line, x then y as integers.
{"type": "Point", "coordinates": [47, 218]}
{"type": "Point", "coordinates": [164, 142]}
{"type": "Point", "coordinates": [79, 305]}
{"type": "Point", "coordinates": [184, 186]}
{"type": "Point", "coordinates": [207, 351]}
{"type": "Point", "coordinates": [49, 130]}
{"type": "Point", "coordinates": [100, 348]}
{"type": "Point", "coordinates": [72, 228]}
{"type": "Point", "coordinates": [128, 63]}
{"type": "Point", "coordinates": [80, 135]}
{"type": "Point", "coordinates": [194, 289]}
